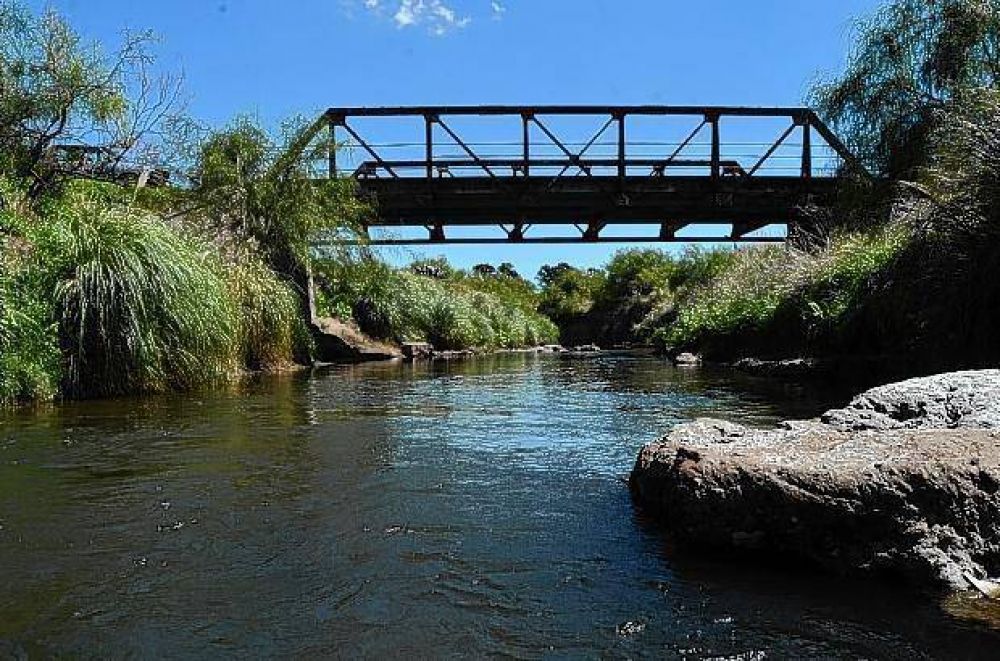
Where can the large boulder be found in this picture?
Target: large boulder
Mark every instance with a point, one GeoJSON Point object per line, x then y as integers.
{"type": "Point", "coordinates": [957, 400]}
{"type": "Point", "coordinates": [904, 480]}
{"type": "Point", "coordinates": [338, 341]}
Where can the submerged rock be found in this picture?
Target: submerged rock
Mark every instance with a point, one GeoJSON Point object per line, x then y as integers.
{"type": "Point", "coordinates": [904, 480]}
{"type": "Point", "coordinates": [786, 367]}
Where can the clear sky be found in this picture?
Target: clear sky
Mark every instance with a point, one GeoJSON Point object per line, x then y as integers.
{"type": "Point", "coordinates": [275, 58]}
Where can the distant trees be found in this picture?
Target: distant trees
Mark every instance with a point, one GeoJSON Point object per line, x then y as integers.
{"type": "Point", "coordinates": [437, 268]}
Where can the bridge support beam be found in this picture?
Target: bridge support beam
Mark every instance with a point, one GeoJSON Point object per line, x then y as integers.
{"type": "Point", "coordinates": [740, 230]}
{"type": "Point", "coordinates": [592, 231]}
{"type": "Point", "coordinates": [516, 232]}
{"type": "Point", "coordinates": [436, 233]}
{"type": "Point", "coordinates": [668, 231]}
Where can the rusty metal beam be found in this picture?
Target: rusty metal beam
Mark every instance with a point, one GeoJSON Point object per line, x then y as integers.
{"type": "Point", "coordinates": [520, 190]}
{"type": "Point", "coordinates": [486, 110]}
{"type": "Point", "coordinates": [549, 240]}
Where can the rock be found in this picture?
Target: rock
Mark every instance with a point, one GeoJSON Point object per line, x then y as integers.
{"type": "Point", "coordinates": [552, 348]}
{"type": "Point", "coordinates": [788, 367]}
{"type": "Point", "coordinates": [905, 480]}
{"type": "Point", "coordinates": [417, 350]}
{"type": "Point", "coordinates": [957, 400]}
{"type": "Point", "coordinates": [630, 628]}
{"type": "Point", "coordinates": [687, 360]}
{"type": "Point", "coordinates": [449, 354]}
{"type": "Point", "coordinates": [340, 341]}
{"type": "Point", "coordinates": [586, 348]}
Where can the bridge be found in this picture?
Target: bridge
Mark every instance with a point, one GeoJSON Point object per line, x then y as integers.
{"type": "Point", "coordinates": [595, 168]}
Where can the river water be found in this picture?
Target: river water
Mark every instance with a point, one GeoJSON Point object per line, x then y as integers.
{"type": "Point", "coordinates": [457, 509]}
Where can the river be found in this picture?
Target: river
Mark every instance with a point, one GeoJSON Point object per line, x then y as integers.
{"type": "Point", "coordinates": [456, 509]}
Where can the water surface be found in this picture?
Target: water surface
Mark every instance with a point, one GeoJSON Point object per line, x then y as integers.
{"type": "Point", "coordinates": [456, 509]}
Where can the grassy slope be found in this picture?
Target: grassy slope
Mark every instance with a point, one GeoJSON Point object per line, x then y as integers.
{"type": "Point", "coordinates": [457, 311]}
{"type": "Point", "coordinates": [99, 296]}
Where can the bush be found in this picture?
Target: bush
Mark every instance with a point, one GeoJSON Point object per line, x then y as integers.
{"type": "Point", "coordinates": [461, 311]}
{"type": "Point", "coordinates": [783, 300]}
{"type": "Point", "coordinates": [269, 326]}
{"type": "Point", "coordinates": [139, 306]}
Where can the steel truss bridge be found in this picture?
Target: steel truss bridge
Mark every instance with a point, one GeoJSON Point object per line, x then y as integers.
{"type": "Point", "coordinates": [625, 173]}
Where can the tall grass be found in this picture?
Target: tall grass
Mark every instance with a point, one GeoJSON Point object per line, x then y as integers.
{"type": "Point", "coordinates": [29, 345]}
{"type": "Point", "coordinates": [270, 328]}
{"type": "Point", "coordinates": [140, 307]}
{"type": "Point", "coordinates": [101, 298]}
{"type": "Point", "coordinates": [775, 299]}
{"type": "Point", "coordinates": [459, 312]}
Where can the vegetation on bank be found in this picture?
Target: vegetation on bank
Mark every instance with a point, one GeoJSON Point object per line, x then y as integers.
{"type": "Point", "coordinates": [629, 299]}
{"type": "Point", "coordinates": [118, 276]}
{"type": "Point", "coordinates": [430, 301]}
{"type": "Point", "coordinates": [108, 286]}
{"type": "Point", "coordinates": [906, 265]}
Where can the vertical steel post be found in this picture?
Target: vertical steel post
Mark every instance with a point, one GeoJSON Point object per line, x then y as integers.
{"type": "Point", "coordinates": [806, 149]}
{"type": "Point", "coordinates": [526, 137]}
{"type": "Point", "coordinates": [713, 118]}
{"type": "Point", "coordinates": [429, 145]}
{"type": "Point", "coordinates": [331, 154]}
{"type": "Point", "coordinates": [621, 149]}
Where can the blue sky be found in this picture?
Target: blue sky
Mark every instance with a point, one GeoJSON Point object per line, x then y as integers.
{"type": "Point", "coordinates": [275, 59]}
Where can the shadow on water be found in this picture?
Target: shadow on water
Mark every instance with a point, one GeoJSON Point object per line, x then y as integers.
{"type": "Point", "coordinates": [464, 508]}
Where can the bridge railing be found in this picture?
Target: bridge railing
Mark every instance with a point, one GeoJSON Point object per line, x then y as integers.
{"type": "Point", "coordinates": [802, 146]}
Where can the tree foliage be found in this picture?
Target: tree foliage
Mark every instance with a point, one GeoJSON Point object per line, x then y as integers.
{"type": "Point", "coordinates": [68, 108]}
{"type": "Point", "coordinates": [912, 58]}
{"type": "Point", "coordinates": [252, 186]}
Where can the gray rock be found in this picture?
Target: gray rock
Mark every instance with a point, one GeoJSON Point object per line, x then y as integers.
{"type": "Point", "coordinates": [871, 488]}
{"type": "Point", "coordinates": [687, 360]}
{"type": "Point", "coordinates": [417, 350]}
{"type": "Point", "coordinates": [786, 367]}
{"type": "Point", "coordinates": [586, 348]}
{"type": "Point", "coordinates": [552, 348]}
{"type": "Point", "coordinates": [957, 400]}
{"type": "Point", "coordinates": [340, 341]}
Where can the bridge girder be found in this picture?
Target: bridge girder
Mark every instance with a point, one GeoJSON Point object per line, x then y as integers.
{"type": "Point", "coordinates": [670, 191]}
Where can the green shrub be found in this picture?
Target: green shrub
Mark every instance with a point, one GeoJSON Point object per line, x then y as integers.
{"type": "Point", "coordinates": [269, 326]}
{"type": "Point", "coordinates": [781, 299]}
{"type": "Point", "coordinates": [742, 297]}
{"type": "Point", "coordinates": [30, 364]}
{"type": "Point", "coordinates": [139, 306]}
{"type": "Point", "coordinates": [460, 311]}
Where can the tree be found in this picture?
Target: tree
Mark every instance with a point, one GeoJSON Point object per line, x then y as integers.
{"type": "Point", "coordinates": [263, 190]}
{"type": "Point", "coordinates": [437, 268]}
{"type": "Point", "coordinates": [507, 270]}
{"type": "Point", "coordinates": [68, 109]}
{"type": "Point", "coordinates": [568, 291]}
{"type": "Point", "coordinates": [638, 272]}
{"type": "Point", "coordinates": [484, 270]}
{"type": "Point", "coordinates": [549, 274]}
{"type": "Point", "coordinates": [912, 59]}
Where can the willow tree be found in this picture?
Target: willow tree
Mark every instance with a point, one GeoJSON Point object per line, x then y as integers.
{"type": "Point", "coordinates": [912, 59]}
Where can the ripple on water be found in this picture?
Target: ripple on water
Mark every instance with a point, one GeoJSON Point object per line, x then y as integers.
{"type": "Point", "coordinates": [471, 508]}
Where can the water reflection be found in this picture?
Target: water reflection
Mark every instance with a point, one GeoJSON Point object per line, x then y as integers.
{"type": "Point", "coordinates": [465, 508]}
